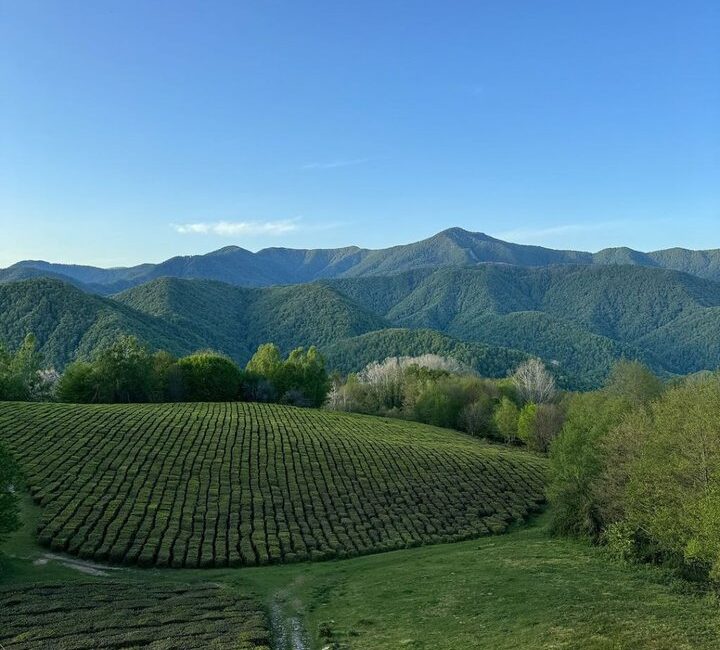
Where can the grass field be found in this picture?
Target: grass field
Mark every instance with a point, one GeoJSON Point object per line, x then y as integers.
{"type": "Point", "coordinates": [214, 485]}
{"type": "Point", "coordinates": [522, 589]}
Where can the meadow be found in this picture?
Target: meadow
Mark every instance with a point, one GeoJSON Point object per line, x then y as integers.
{"type": "Point", "coordinates": [522, 589]}
{"type": "Point", "coordinates": [118, 484]}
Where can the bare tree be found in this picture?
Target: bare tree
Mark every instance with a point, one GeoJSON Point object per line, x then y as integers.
{"type": "Point", "coordinates": [385, 380]}
{"type": "Point", "coordinates": [534, 383]}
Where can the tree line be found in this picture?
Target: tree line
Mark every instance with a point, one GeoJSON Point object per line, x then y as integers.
{"type": "Point", "coordinates": [636, 468]}
{"type": "Point", "coordinates": [525, 408]}
{"type": "Point", "coordinates": [127, 371]}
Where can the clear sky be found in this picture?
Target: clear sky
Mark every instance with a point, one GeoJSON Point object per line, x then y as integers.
{"type": "Point", "coordinates": [133, 131]}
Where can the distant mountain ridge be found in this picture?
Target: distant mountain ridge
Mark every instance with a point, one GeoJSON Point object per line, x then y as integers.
{"type": "Point", "coordinates": [281, 266]}
{"type": "Point", "coordinates": [579, 318]}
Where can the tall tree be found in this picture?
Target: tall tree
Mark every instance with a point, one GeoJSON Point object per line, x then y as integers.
{"type": "Point", "coordinates": [534, 383]}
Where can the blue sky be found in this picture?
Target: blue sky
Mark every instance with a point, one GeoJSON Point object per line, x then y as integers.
{"type": "Point", "coordinates": [134, 131]}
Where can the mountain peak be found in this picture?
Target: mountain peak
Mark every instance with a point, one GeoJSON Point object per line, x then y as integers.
{"type": "Point", "coordinates": [276, 266]}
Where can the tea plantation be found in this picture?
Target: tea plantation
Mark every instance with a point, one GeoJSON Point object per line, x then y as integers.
{"type": "Point", "coordinates": [115, 615]}
{"type": "Point", "coordinates": [232, 484]}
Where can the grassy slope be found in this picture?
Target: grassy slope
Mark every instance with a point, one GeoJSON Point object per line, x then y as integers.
{"type": "Point", "coordinates": [523, 589]}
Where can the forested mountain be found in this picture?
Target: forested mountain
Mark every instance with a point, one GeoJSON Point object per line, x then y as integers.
{"type": "Point", "coordinates": [70, 323]}
{"type": "Point", "coordinates": [578, 318]}
{"type": "Point", "coordinates": [350, 354]}
{"type": "Point", "coordinates": [236, 320]}
{"type": "Point", "coordinates": [178, 315]}
{"type": "Point", "coordinates": [276, 266]}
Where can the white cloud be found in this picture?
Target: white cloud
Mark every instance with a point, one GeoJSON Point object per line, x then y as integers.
{"type": "Point", "coordinates": [336, 163]}
{"type": "Point", "coordinates": [234, 228]}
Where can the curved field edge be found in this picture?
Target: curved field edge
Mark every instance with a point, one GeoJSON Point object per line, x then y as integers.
{"type": "Point", "coordinates": [233, 484]}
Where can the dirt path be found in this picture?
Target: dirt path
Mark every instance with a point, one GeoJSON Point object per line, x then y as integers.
{"type": "Point", "coordinates": [78, 565]}
{"type": "Point", "coordinates": [286, 624]}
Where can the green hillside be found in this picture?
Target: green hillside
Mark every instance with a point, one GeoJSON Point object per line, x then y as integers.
{"type": "Point", "coordinates": [236, 320]}
{"type": "Point", "coordinates": [215, 485]}
{"type": "Point", "coordinates": [581, 317]}
{"type": "Point", "coordinates": [350, 354]}
{"type": "Point", "coordinates": [70, 323]}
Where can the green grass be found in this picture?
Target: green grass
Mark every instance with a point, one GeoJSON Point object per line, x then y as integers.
{"type": "Point", "coordinates": [214, 485]}
{"type": "Point", "coordinates": [523, 589]}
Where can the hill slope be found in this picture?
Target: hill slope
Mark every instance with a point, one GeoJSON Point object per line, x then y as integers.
{"type": "Point", "coordinates": [580, 318]}
{"type": "Point", "coordinates": [230, 484]}
{"type": "Point", "coordinates": [70, 323]}
{"type": "Point", "coordinates": [236, 320]}
{"type": "Point", "coordinates": [583, 317]}
{"type": "Point", "coordinates": [180, 316]}
{"type": "Point", "coordinates": [351, 354]}
{"type": "Point", "coordinates": [273, 266]}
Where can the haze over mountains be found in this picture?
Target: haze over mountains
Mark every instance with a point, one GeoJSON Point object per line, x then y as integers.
{"type": "Point", "coordinates": [277, 266]}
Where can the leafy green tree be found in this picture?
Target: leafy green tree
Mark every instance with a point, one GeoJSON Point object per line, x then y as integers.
{"type": "Point", "coordinates": [302, 378]}
{"type": "Point", "coordinates": [9, 510]}
{"type": "Point", "coordinates": [526, 423]}
{"type": "Point", "coordinates": [506, 419]}
{"type": "Point", "coordinates": [5, 374]}
{"type": "Point", "coordinates": [209, 377]}
{"type": "Point", "coordinates": [121, 372]}
{"type": "Point", "coordinates": [577, 462]}
{"type": "Point", "coordinates": [79, 384]}
{"type": "Point", "coordinates": [476, 418]}
{"type": "Point", "coordinates": [671, 490]}
{"type": "Point", "coordinates": [167, 378]}
{"type": "Point", "coordinates": [634, 381]}
{"type": "Point", "coordinates": [266, 362]}
{"type": "Point", "coordinates": [125, 372]}
{"type": "Point", "coordinates": [20, 372]}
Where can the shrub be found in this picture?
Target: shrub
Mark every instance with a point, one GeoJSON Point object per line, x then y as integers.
{"type": "Point", "coordinates": [506, 419]}
{"type": "Point", "coordinates": [209, 377]}
{"type": "Point", "coordinates": [577, 461]}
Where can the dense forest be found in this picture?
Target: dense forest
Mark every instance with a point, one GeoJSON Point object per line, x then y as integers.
{"type": "Point", "coordinates": [579, 319]}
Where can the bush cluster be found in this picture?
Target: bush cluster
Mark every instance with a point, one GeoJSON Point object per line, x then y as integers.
{"type": "Point", "coordinates": [147, 614]}
{"type": "Point", "coordinates": [523, 409]}
{"type": "Point", "coordinates": [127, 371]}
{"type": "Point", "coordinates": [637, 468]}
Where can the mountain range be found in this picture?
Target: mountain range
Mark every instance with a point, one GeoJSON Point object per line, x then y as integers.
{"type": "Point", "coordinates": [279, 266]}
{"type": "Point", "coordinates": [580, 318]}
